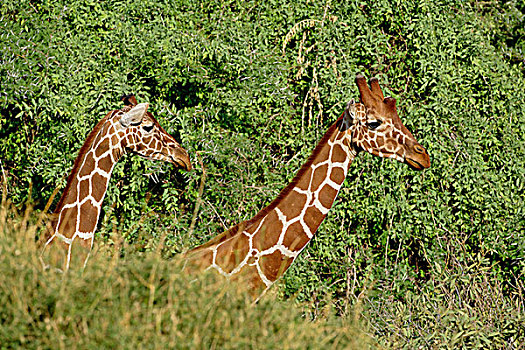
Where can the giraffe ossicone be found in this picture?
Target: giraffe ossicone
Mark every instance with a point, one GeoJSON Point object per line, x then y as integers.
{"type": "Point", "coordinates": [261, 249]}
{"type": "Point", "coordinates": [131, 129]}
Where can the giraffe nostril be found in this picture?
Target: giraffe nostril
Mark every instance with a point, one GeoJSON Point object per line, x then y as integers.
{"type": "Point", "coordinates": [419, 149]}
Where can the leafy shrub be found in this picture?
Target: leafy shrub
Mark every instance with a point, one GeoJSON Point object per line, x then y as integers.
{"type": "Point", "coordinates": [249, 88]}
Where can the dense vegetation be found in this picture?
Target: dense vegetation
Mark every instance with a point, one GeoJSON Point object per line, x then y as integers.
{"type": "Point", "coordinates": [142, 302]}
{"type": "Point", "coordinates": [429, 259]}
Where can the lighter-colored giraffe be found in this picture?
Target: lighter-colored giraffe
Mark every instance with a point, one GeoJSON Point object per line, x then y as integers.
{"type": "Point", "coordinates": [263, 248]}
{"type": "Point", "coordinates": [130, 129]}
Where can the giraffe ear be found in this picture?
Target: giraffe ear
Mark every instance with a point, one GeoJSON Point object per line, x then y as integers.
{"type": "Point", "coordinates": [135, 115]}
{"type": "Point", "coordinates": [350, 107]}
{"type": "Point", "coordinates": [350, 104]}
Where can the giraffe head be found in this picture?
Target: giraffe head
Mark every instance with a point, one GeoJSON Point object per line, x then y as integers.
{"type": "Point", "coordinates": [377, 129]}
{"type": "Point", "coordinates": [145, 136]}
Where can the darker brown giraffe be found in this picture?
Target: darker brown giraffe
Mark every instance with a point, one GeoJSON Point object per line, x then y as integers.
{"type": "Point", "coordinates": [263, 248]}
{"type": "Point", "coordinates": [130, 129]}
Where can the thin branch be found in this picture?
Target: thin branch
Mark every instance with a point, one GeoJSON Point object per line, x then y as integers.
{"type": "Point", "coordinates": [199, 196]}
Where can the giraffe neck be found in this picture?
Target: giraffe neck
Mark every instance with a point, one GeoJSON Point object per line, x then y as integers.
{"type": "Point", "coordinates": [266, 245]}
{"type": "Point", "coordinates": [77, 212]}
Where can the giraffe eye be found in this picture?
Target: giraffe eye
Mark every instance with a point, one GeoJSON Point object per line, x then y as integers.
{"type": "Point", "coordinates": [374, 125]}
{"type": "Point", "coordinates": [148, 128]}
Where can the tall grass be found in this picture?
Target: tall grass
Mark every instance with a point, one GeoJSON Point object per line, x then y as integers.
{"type": "Point", "coordinates": [134, 300]}
{"type": "Point", "coordinates": [142, 302]}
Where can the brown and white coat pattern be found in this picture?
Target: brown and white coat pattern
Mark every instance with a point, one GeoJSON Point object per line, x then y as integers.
{"type": "Point", "coordinates": [131, 129]}
{"type": "Point", "coordinates": [264, 247]}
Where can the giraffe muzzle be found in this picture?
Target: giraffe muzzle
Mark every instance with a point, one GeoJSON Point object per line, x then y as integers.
{"type": "Point", "coordinates": [184, 163]}
{"type": "Point", "coordinates": [182, 159]}
{"type": "Point", "coordinates": [418, 159]}
{"type": "Point", "coordinates": [178, 157]}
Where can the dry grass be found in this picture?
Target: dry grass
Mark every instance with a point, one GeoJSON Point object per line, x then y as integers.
{"type": "Point", "coordinates": [141, 302]}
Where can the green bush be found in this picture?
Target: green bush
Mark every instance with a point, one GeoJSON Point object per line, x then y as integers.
{"type": "Point", "coordinates": [248, 88]}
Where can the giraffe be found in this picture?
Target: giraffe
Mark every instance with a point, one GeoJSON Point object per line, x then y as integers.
{"type": "Point", "coordinates": [131, 129]}
{"type": "Point", "coordinates": [261, 249]}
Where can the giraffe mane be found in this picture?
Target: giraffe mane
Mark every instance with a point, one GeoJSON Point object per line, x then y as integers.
{"type": "Point", "coordinates": [284, 192]}
{"type": "Point", "coordinates": [81, 152]}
